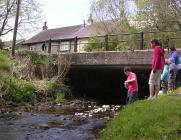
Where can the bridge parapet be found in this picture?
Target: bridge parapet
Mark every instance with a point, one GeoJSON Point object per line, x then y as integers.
{"type": "Point", "coordinates": [111, 58]}
{"type": "Point", "coordinates": [121, 58]}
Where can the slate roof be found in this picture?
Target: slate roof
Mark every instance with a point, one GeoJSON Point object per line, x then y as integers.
{"type": "Point", "coordinates": [63, 33]}
{"type": "Point", "coordinates": [70, 32]}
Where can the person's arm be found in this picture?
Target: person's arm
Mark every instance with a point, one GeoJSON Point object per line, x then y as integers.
{"type": "Point", "coordinates": [131, 80]}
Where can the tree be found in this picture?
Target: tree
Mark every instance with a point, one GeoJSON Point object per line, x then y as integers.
{"type": "Point", "coordinates": [113, 17]}
{"type": "Point", "coordinates": [148, 16]}
{"type": "Point", "coordinates": [111, 11]}
{"type": "Point", "coordinates": [28, 19]}
{"type": "Point", "coordinates": [18, 2]}
{"type": "Point", "coordinates": [162, 15]}
{"type": "Point", "coordinates": [156, 15]}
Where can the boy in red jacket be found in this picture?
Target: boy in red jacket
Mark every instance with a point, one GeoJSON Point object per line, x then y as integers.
{"type": "Point", "coordinates": [158, 62]}
{"type": "Point", "coordinates": [132, 85]}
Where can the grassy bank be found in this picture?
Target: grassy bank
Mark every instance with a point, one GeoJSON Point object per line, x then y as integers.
{"type": "Point", "coordinates": [158, 119]}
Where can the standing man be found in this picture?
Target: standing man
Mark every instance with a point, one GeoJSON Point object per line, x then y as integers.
{"type": "Point", "coordinates": [158, 62]}
{"type": "Point", "coordinates": [132, 85]}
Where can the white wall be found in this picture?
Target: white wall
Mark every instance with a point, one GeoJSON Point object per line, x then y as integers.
{"type": "Point", "coordinates": [61, 46]}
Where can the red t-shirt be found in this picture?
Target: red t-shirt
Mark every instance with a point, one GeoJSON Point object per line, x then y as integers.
{"type": "Point", "coordinates": [132, 86]}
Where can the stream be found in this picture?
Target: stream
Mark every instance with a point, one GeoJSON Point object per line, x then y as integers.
{"type": "Point", "coordinates": [72, 120]}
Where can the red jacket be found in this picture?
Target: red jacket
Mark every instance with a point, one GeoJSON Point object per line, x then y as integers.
{"type": "Point", "coordinates": [158, 59]}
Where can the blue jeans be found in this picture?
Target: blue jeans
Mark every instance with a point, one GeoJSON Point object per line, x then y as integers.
{"type": "Point", "coordinates": [132, 97]}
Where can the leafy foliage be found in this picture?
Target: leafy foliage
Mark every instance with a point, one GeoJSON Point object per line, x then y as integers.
{"type": "Point", "coordinates": [160, 16]}
{"type": "Point", "coordinates": [59, 91]}
{"type": "Point", "coordinates": [151, 17]}
{"type": "Point", "coordinates": [38, 59]}
{"type": "Point", "coordinates": [17, 90]}
{"type": "Point", "coordinates": [5, 62]}
{"type": "Point", "coordinates": [95, 44]}
{"type": "Point", "coordinates": [60, 97]}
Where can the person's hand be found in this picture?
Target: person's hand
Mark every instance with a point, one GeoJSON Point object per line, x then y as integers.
{"type": "Point", "coordinates": [125, 84]}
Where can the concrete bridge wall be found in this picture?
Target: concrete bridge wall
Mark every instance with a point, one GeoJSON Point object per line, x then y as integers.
{"type": "Point", "coordinates": [114, 58]}
{"type": "Point", "coordinates": [109, 58]}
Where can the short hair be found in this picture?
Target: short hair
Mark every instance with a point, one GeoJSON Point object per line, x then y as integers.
{"type": "Point", "coordinates": [127, 69]}
{"type": "Point", "coordinates": [155, 42]}
{"type": "Point", "coordinates": [172, 48]}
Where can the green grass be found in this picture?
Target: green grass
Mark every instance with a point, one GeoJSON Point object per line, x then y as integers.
{"type": "Point", "coordinates": [158, 119]}
{"type": "Point", "coordinates": [5, 62]}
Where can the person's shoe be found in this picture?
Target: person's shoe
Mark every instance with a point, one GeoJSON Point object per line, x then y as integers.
{"type": "Point", "coordinates": [149, 98]}
{"type": "Point", "coordinates": [154, 97]}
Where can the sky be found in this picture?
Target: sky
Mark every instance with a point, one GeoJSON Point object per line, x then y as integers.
{"type": "Point", "coordinates": [60, 13]}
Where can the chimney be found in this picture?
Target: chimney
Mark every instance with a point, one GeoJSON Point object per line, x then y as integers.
{"type": "Point", "coordinates": [45, 26]}
{"type": "Point", "coordinates": [90, 20]}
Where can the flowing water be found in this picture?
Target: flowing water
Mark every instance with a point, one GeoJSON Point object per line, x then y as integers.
{"type": "Point", "coordinates": [77, 120]}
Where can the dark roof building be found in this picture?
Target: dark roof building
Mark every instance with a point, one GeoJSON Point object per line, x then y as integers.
{"type": "Point", "coordinates": [65, 38]}
{"type": "Point", "coordinates": [63, 33]}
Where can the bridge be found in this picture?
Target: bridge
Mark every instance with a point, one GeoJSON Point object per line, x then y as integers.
{"type": "Point", "coordinates": [139, 59]}
{"type": "Point", "coordinates": [110, 59]}
{"type": "Point", "coordinates": [99, 75]}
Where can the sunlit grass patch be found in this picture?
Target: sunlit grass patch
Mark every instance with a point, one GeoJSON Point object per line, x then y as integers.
{"type": "Point", "coordinates": [147, 120]}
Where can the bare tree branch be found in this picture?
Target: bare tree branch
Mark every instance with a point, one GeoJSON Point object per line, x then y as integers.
{"type": "Point", "coordinates": [29, 15]}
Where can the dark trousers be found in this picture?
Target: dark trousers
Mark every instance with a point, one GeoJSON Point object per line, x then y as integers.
{"type": "Point", "coordinates": [131, 97]}
{"type": "Point", "coordinates": [178, 78]}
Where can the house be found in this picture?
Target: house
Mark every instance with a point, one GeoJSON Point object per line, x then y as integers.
{"type": "Point", "coordinates": [65, 39]}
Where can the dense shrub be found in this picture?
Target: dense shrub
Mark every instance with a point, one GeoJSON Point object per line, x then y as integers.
{"type": "Point", "coordinates": [17, 90]}
{"type": "Point", "coordinates": [59, 90]}
{"type": "Point", "coordinates": [60, 97]}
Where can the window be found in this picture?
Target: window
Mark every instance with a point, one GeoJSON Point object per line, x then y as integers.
{"type": "Point", "coordinates": [64, 46]}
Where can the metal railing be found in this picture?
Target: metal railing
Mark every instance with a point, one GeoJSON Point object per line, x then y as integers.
{"type": "Point", "coordinates": [127, 41]}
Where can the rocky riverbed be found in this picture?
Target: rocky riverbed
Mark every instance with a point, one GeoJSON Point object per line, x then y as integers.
{"type": "Point", "coordinates": [71, 120]}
